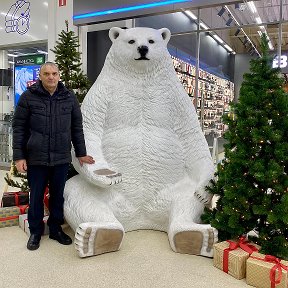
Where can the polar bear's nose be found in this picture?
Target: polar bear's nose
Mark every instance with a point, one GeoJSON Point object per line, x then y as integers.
{"type": "Point", "coordinates": [143, 50]}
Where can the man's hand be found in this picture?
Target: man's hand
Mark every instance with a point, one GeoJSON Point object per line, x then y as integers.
{"type": "Point", "coordinates": [21, 165]}
{"type": "Point", "coordinates": [86, 159]}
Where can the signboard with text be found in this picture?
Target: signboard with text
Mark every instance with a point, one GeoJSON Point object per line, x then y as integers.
{"type": "Point", "coordinates": [26, 73]}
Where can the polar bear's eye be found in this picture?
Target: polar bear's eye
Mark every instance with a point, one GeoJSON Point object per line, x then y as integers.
{"type": "Point", "coordinates": [151, 41]}
{"type": "Point", "coordinates": [131, 42]}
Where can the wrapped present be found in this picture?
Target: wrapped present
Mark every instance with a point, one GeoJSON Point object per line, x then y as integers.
{"type": "Point", "coordinates": [14, 199]}
{"type": "Point", "coordinates": [231, 256]}
{"type": "Point", "coordinates": [266, 271]}
{"type": "Point", "coordinates": [9, 216]}
{"type": "Point", "coordinates": [23, 223]}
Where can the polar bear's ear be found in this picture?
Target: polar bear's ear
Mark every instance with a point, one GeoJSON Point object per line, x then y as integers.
{"type": "Point", "coordinates": [166, 34]}
{"type": "Point", "coordinates": [114, 33]}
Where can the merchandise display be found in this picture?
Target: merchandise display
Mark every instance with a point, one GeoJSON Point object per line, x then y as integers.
{"type": "Point", "coordinates": [214, 95]}
{"type": "Point", "coordinates": [141, 127]}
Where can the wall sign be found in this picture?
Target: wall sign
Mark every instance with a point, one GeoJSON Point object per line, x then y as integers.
{"type": "Point", "coordinates": [62, 3]}
{"type": "Point", "coordinates": [17, 18]}
{"type": "Point", "coordinates": [283, 61]}
{"type": "Point", "coordinates": [23, 21]}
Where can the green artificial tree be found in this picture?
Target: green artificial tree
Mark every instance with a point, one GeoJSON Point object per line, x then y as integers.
{"type": "Point", "coordinates": [23, 185]}
{"type": "Point", "coordinates": [252, 180]}
{"type": "Point", "coordinates": [68, 59]}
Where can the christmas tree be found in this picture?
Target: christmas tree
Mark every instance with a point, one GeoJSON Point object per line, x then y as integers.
{"type": "Point", "coordinates": [252, 180]}
{"type": "Point", "coordinates": [68, 59]}
{"type": "Point", "coordinates": [23, 185]}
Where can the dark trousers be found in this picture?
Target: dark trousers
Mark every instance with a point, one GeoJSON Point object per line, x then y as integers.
{"type": "Point", "coordinates": [39, 177]}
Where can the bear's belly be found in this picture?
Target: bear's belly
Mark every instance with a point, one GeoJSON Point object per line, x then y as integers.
{"type": "Point", "coordinates": [147, 155]}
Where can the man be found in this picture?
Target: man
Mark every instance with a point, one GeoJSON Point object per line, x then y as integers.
{"type": "Point", "coordinates": [46, 120]}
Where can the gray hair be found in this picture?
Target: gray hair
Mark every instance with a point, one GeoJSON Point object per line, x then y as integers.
{"type": "Point", "coordinates": [48, 64]}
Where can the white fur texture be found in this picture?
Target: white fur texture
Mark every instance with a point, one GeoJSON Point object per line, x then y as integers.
{"type": "Point", "coordinates": [139, 121]}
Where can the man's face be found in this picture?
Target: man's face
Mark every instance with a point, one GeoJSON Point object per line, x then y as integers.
{"type": "Point", "coordinates": [49, 75]}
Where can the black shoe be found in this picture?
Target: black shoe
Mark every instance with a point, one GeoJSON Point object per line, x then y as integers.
{"type": "Point", "coordinates": [61, 237]}
{"type": "Point", "coordinates": [33, 242]}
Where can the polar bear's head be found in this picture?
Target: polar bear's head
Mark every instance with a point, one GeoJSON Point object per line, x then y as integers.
{"type": "Point", "coordinates": [140, 48]}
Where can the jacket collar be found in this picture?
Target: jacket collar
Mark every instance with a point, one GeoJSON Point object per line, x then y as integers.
{"type": "Point", "coordinates": [61, 90]}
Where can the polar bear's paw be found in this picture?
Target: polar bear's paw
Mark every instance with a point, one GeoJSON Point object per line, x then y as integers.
{"type": "Point", "coordinates": [196, 242]}
{"type": "Point", "coordinates": [107, 177]}
{"type": "Point", "coordinates": [91, 240]}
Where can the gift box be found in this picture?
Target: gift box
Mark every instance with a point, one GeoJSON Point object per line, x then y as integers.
{"type": "Point", "coordinates": [24, 225]}
{"type": "Point", "coordinates": [14, 199]}
{"type": "Point", "coordinates": [266, 271]}
{"type": "Point", "coordinates": [9, 216]}
{"type": "Point", "coordinates": [231, 256]}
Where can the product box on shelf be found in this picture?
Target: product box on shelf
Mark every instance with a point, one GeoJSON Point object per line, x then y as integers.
{"type": "Point", "coordinates": [231, 256]}
{"type": "Point", "coordinates": [24, 225]}
{"type": "Point", "coordinates": [266, 271]}
{"type": "Point", "coordinates": [9, 216]}
{"type": "Point", "coordinates": [14, 199]}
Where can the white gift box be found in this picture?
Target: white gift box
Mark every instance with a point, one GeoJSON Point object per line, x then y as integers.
{"type": "Point", "coordinates": [24, 225]}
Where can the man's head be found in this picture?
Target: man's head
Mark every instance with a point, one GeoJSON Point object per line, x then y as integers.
{"type": "Point", "coordinates": [49, 75]}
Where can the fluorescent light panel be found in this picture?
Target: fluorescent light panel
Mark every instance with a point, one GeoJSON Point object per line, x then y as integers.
{"type": "Point", "coordinates": [204, 26]}
{"type": "Point", "coordinates": [190, 14]}
{"type": "Point", "coordinates": [258, 20]}
{"type": "Point", "coordinates": [218, 38]}
{"type": "Point", "coordinates": [129, 8]}
{"type": "Point", "coordinates": [252, 6]}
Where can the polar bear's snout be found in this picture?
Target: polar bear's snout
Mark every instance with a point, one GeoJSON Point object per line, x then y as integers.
{"type": "Point", "coordinates": [143, 50]}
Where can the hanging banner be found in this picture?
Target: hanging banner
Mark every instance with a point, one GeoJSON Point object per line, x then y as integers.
{"type": "Point", "coordinates": [26, 72]}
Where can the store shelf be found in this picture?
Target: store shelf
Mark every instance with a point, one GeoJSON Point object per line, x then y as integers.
{"type": "Point", "coordinates": [215, 92]}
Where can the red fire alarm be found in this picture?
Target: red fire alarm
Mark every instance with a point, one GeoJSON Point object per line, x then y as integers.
{"type": "Point", "coordinates": [62, 3]}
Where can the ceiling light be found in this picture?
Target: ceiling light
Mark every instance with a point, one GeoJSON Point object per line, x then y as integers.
{"type": "Point", "coordinates": [229, 21]}
{"type": "Point", "coordinates": [270, 45]}
{"type": "Point", "coordinates": [221, 12]}
{"type": "Point", "coordinates": [262, 28]}
{"type": "Point", "coordinates": [216, 37]}
{"type": "Point", "coordinates": [190, 14]}
{"type": "Point", "coordinates": [41, 51]}
{"type": "Point", "coordinates": [45, 3]}
{"type": "Point", "coordinates": [204, 26]}
{"type": "Point", "coordinates": [260, 33]}
{"type": "Point", "coordinates": [12, 55]}
{"type": "Point", "coordinates": [258, 20]}
{"type": "Point", "coordinates": [237, 31]}
{"type": "Point", "coordinates": [252, 6]}
{"type": "Point", "coordinates": [228, 48]}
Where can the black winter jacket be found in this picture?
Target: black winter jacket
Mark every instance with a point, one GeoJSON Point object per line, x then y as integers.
{"type": "Point", "coordinates": [44, 126]}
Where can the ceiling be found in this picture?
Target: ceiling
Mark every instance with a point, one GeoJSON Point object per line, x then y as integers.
{"type": "Point", "coordinates": [242, 33]}
{"type": "Point", "coordinates": [238, 24]}
{"type": "Point", "coordinates": [29, 49]}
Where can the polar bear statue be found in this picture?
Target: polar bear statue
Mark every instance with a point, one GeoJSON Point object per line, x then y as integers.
{"type": "Point", "coordinates": [152, 161]}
